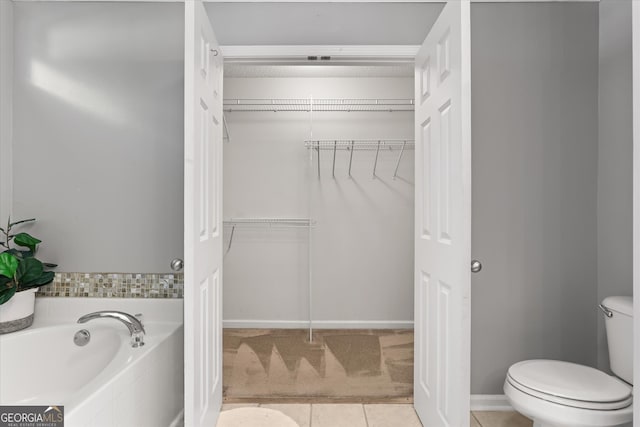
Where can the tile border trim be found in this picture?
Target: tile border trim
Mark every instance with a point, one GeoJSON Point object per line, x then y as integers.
{"type": "Point", "coordinates": [115, 285]}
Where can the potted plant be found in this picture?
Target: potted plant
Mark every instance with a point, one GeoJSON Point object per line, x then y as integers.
{"type": "Point", "coordinates": [21, 274]}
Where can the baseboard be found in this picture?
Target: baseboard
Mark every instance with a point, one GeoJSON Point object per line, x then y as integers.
{"type": "Point", "coordinates": [490, 402]}
{"type": "Point", "coordinates": [178, 420]}
{"type": "Point", "coordinates": [317, 324]}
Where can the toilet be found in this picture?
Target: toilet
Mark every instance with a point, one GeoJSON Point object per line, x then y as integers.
{"type": "Point", "coordinates": [561, 394]}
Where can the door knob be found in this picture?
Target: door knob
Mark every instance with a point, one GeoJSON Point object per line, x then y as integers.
{"type": "Point", "coordinates": [476, 266]}
{"type": "Point", "coordinates": [177, 264]}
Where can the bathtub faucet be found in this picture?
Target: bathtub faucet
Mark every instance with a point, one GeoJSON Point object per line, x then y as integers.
{"type": "Point", "coordinates": [134, 325]}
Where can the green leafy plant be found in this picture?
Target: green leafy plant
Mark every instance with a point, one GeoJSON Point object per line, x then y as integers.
{"type": "Point", "coordinates": [19, 268]}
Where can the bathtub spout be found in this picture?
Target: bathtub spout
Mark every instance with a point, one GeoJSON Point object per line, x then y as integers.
{"type": "Point", "coordinates": [136, 330]}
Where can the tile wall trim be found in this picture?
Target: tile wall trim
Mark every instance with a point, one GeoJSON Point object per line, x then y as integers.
{"type": "Point", "coordinates": [115, 285]}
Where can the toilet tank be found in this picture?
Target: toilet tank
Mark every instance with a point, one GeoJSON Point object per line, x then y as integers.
{"type": "Point", "coordinates": [620, 336]}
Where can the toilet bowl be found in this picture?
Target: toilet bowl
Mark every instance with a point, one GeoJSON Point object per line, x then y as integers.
{"type": "Point", "coordinates": [561, 394]}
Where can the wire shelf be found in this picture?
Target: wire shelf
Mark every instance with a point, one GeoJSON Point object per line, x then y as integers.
{"type": "Point", "coordinates": [318, 105]}
{"type": "Point", "coordinates": [353, 145]}
{"type": "Point", "coordinates": [277, 222]}
{"type": "Point", "coordinates": [261, 222]}
{"type": "Point", "coordinates": [360, 144]}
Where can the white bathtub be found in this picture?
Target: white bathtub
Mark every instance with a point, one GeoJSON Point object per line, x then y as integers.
{"type": "Point", "coordinates": [107, 382]}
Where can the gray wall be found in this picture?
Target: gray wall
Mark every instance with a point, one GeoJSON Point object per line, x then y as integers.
{"type": "Point", "coordinates": [362, 245]}
{"type": "Point", "coordinates": [6, 107]}
{"type": "Point", "coordinates": [535, 146]}
{"type": "Point", "coordinates": [98, 167]}
{"type": "Point", "coordinates": [98, 131]}
{"type": "Point", "coordinates": [322, 23]}
{"type": "Point", "coordinates": [615, 166]}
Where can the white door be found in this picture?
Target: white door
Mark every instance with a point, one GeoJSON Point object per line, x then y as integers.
{"type": "Point", "coordinates": [202, 219]}
{"type": "Point", "coordinates": [443, 220]}
{"type": "Point", "coordinates": [635, 43]}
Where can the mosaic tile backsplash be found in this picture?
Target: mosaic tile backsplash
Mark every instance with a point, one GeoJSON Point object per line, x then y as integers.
{"type": "Point", "coordinates": [115, 285]}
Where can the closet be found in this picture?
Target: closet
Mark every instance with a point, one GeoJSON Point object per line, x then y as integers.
{"type": "Point", "coordinates": [318, 196]}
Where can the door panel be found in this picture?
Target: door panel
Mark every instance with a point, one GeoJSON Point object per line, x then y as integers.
{"type": "Point", "coordinates": [443, 220]}
{"type": "Point", "coordinates": [202, 223]}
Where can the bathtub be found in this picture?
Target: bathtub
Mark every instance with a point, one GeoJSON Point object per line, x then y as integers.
{"type": "Point", "coordinates": [107, 382]}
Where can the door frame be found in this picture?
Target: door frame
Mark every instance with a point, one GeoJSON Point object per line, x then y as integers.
{"type": "Point", "coordinates": [344, 55]}
{"type": "Point", "coordinates": [635, 40]}
{"type": "Point", "coordinates": [340, 54]}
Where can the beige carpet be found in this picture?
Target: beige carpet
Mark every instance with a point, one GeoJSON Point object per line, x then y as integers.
{"type": "Point", "coordinates": [339, 365]}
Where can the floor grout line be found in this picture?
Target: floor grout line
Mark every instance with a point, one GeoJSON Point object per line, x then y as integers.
{"type": "Point", "coordinates": [366, 420]}
{"type": "Point", "coordinates": [364, 411]}
{"type": "Point", "coordinates": [476, 418]}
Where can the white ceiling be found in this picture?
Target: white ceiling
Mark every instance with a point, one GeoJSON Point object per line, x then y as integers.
{"type": "Point", "coordinates": [309, 23]}
{"type": "Point", "coordinates": [245, 70]}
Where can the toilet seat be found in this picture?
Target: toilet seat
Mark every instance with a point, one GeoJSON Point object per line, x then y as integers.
{"type": "Point", "coordinates": [570, 384]}
{"type": "Point", "coordinates": [546, 413]}
{"type": "Point", "coordinates": [580, 404]}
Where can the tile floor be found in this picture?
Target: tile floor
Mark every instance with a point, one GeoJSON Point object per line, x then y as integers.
{"type": "Point", "coordinates": [376, 415]}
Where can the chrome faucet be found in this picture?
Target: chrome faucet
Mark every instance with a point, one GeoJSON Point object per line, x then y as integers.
{"type": "Point", "coordinates": [131, 322]}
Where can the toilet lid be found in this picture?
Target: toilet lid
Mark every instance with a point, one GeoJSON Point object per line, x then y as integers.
{"type": "Point", "coordinates": [572, 384]}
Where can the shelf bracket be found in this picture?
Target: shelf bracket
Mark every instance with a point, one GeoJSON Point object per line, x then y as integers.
{"type": "Point", "coordinates": [226, 136]}
{"type": "Point", "coordinates": [351, 158]}
{"type": "Point", "coordinates": [233, 230]}
{"type": "Point", "coordinates": [335, 147]}
{"type": "Point", "coordinates": [395, 173]}
{"type": "Point", "coordinates": [375, 164]}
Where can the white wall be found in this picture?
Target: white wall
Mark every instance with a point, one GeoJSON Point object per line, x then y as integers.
{"type": "Point", "coordinates": [6, 109]}
{"type": "Point", "coordinates": [615, 152]}
{"type": "Point", "coordinates": [98, 132]}
{"type": "Point", "coordinates": [362, 250]}
{"type": "Point", "coordinates": [535, 145]}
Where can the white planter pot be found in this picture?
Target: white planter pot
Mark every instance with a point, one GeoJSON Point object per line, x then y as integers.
{"type": "Point", "coordinates": [17, 313]}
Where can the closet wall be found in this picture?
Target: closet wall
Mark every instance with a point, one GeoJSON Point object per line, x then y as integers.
{"type": "Point", "coordinates": [361, 245]}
